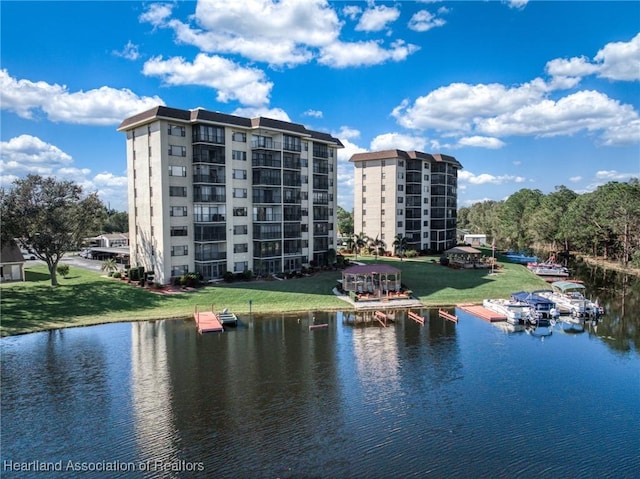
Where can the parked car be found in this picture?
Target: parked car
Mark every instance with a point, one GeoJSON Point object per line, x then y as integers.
{"type": "Point", "coordinates": [26, 254]}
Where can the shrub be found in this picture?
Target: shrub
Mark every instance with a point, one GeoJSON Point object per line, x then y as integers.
{"type": "Point", "coordinates": [63, 270]}
{"type": "Point", "coordinates": [444, 261]}
{"type": "Point", "coordinates": [247, 275]}
{"type": "Point", "coordinates": [228, 277]}
{"type": "Point", "coordinates": [411, 253]}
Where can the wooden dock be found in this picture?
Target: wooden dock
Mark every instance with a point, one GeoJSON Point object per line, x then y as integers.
{"type": "Point", "coordinates": [482, 312]}
{"type": "Point", "coordinates": [416, 317]}
{"type": "Point", "coordinates": [443, 314]}
{"type": "Point", "coordinates": [207, 321]}
{"type": "Point", "coordinates": [381, 317]}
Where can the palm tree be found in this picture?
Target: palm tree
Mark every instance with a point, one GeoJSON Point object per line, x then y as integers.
{"type": "Point", "coordinates": [361, 241]}
{"type": "Point", "coordinates": [377, 245]}
{"type": "Point", "coordinates": [399, 244]}
{"type": "Point", "coordinates": [351, 243]}
{"type": "Point", "coordinates": [109, 265]}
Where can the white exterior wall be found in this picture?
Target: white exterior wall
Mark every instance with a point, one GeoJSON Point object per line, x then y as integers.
{"type": "Point", "coordinates": [150, 219]}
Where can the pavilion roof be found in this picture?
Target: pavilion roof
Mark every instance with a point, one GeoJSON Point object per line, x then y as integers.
{"type": "Point", "coordinates": [370, 269]}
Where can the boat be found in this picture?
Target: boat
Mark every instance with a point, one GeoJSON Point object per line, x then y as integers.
{"type": "Point", "coordinates": [543, 308]}
{"type": "Point", "coordinates": [549, 269]}
{"type": "Point", "coordinates": [227, 318]}
{"type": "Point", "coordinates": [520, 258]}
{"type": "Point", "coordinates": [516, 312]}
{"type": "Point", "coordinates": [568, 297]}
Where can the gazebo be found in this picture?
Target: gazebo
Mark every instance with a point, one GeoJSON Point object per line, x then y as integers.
{"type": "Point", "coordinates": [465, 257]}
{"type": "Point", "coordinates": [372, 282]}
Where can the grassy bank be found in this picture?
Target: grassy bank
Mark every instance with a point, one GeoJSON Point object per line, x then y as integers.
{"type": "Point", "coordinates": [85, 297]}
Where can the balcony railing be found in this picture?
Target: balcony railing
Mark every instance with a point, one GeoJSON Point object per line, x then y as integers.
{"type": "Point", "coordinates": [266, 144]}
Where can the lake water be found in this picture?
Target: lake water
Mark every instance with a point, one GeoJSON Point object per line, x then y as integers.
{"type": "Point", "coordinates": [272, 399]}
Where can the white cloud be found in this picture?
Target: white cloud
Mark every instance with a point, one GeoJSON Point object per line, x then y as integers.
{"type": "Point", "coordinates": [615, 61]}
{"type": "Point", "coordinates": [389, 141]}
{"type": "Point", "coordinates": [26, 154]}
{"type": "Point", "coordinates": [264, 111]}
{"type": "Point", "coordinates": [613, 175]}
{"type": "Point", "coordinates": [342, 55]}
{"type": "Point", "coordinates": [485, 178]}
{"type": "Point", "coordinates": [232, 82]}
{"type": "Point", "coordinates": [376, 18]}
{"type": "Point", "coordinates": [130, 51]}
{"type": "Point", "coordinates": [101, 106]}
{"type": "Point", "coordinates": [517, 4]}
{"type": "Point", "coordinates": [351, 11]}
{"type": "Point", "coordinates": [347, 133]}
{"type": "Point", "coordinates": [313, 113]}
{"type": "Point", "coordinates": [620, 60]}
{"type": "Point", "coordinates": [481, 142]}
{"type": "Point", "coordinates": [584, 110]}
{"type": "Point", "coordinates": [423, 21]}
{"type": "Point", "coordinates": [279, 33]}
{"type": "Point", "coordinates": [456, 106]}
{"type": "Point", "coordinates": [575, 179]}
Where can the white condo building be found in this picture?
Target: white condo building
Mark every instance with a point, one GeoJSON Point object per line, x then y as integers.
{"type": "Point", "coordinates": [406, 193]}
{"type": "Point", "coordinates": [211, 193]}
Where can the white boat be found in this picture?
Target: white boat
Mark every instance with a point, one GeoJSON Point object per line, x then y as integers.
{"type": "Point", "coordinates": [569, 299]}
{"type": "Point", "coordinates": [554, 270]}
{"type": "Point", "coordinates": [515, 311]}
{"type": "Point", "coordinates": [227, 318]}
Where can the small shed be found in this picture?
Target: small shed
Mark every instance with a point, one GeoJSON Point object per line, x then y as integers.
{"type": "Point", "coordinates": [11, 262]}
{"type": "Point", "coordinates": [475, 239]}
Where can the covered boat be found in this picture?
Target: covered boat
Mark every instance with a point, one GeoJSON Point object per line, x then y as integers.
{"type": "Point", "coordinates": [516, 312]}
{"type": "Point", "coordinates": [543, 307]}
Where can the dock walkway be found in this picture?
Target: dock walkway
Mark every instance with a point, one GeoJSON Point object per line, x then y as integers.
{"type": "Point", "coordinates": [482, 312]}
{"type": "Point", "coordinates": [207, 322]}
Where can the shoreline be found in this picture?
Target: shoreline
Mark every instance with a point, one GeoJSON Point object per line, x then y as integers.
{"type": "Point", "coordinates": [610, 265]}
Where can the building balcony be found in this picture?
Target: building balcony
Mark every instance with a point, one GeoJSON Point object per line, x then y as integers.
{"type": "Point", "coordinates": [266, 144]}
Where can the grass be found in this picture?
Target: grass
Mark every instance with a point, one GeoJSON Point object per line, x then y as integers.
{"type": "Point", "coordinates": [86, 297]}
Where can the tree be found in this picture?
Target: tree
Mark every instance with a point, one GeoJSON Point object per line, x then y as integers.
{"type": "Point", "coordinates": [116, 221]}
{"type": "Point", "coordinates": [399, 245]}
{"type": "Point", "coordinates": [345, 221]}
{"type": "Point", "coordinates": [377, 245]}
{"type": "Point", "coordinates": [360, 241]}
{"type": "Point", "coordinates": [50, 217]}
{"type": "Point", "coordinates": [109, 265]}
{"type": "Point", "coordinates": [516, 225]}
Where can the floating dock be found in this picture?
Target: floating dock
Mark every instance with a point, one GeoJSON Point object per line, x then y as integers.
{"type": "Point", "coordinates": [207, 322]}
{"type": "Point", "coordinates": [482, 312]}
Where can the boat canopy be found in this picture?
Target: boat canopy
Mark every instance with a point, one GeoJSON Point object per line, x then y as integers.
{"type": "Point", "coordinates": [531, 298]}
{"type": "Point", "coordinates": [565, 286]}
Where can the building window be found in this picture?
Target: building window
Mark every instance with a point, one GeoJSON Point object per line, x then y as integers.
{"type": "Point", "coordinates": [382, 188]}
{"type": "Point", "coordinates": [382, 200]}
{"type": "Point", "coordinates": [384, 163]}
{"type": "Point", "coordinates": [364, 212]}
{"type": "Point", "coordinates": [240, 266]}
{"type": "Point", "coordinates": [400, 175]}
{"type": "Point", "coordinates": [239, 174]}
{"type": "Point", "coordinates": [239, 212]}
{"type": "Point", "coordinates": [426, 177]}
{"type": "Point", "coordinates": [425, 223]}
{"type": "Point", "coordinates": [239, 192]}
{"type": "Point", "coordinates": [425, 212]}
{"type": "Point", "coordinates": [364, 200]}
{"type": "Point", "coordinates": [426, 166]}
{"type": "Point", "coordinates": [426, 201]}
{"type": "Point", "coordinates": [239, 155]}
{"type": "Point", "coordinates": [178, 191]}
{"type": "Point", "coordinates": [399, 224]}
{"type": "Point", "coordinates": [178, 231]}
{"type": "Point", "coordinates": [400, 199]}
{"type": "Point", "coordinates": [382, 225]}
{"type": "Point", "coordinates": [400, 187]}
{"type": "Point", "coordinates": [384, 175]}
{"type": "Point", "coordinates": [382, 212]}
{"type": "Point", "coordinates": [175, 150]}
{"type": "Point", "coordinates": [179, 250]}
{"type": "Point", "coordinates": [425, 234]}
{"type": "Point", "coordinates": [179, 270]}
{"type": "Point", "coordinates": [176, 130]}
{"type": "Point", "coordinates": [178, 211]}
{"type": "Point", "coordinates": [364, 188]}
{"type": "Point", "coordinates": [240, 248]}
{"type": "Point", "coordinates": [401, 163]}
{"type": "Point", "coordinates": [239, 136]}
{"type": "Point", "coordinates": [177, 170]}
{"type": "Point", "coordinates": [240, 230]}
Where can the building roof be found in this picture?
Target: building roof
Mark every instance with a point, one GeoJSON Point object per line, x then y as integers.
{"type": "Point", "coordinates": [10, 253]}
{"type": "Point", "coordinates": [463, 250]}
{"type": "Point", "coordinates": [404, 155]}
{"type": "Point", "coordinates": [371, 269]}
{"type": "Point", "coordinates": [200, 114]}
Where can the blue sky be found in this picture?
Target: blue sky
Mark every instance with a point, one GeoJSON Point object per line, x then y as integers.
{"type": "Point", "coordinates": [524, 94]}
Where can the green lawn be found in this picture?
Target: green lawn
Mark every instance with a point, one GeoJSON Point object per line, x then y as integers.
{"type": "Point", "coordinates": [85, 297]}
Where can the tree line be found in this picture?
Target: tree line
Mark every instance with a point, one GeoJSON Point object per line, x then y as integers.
{"type": "Point", "coordinates": [604, 222]}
